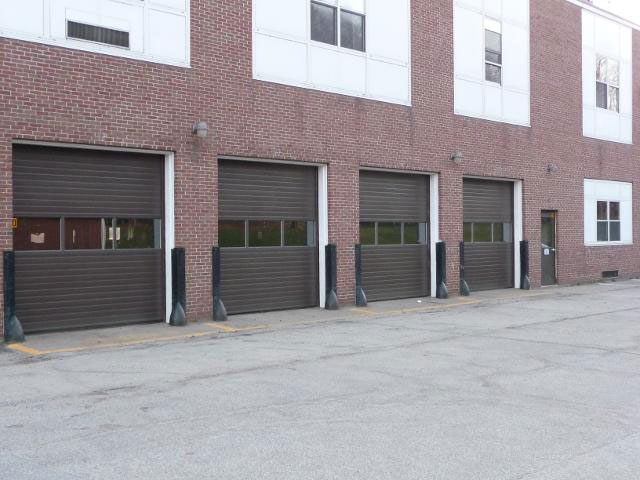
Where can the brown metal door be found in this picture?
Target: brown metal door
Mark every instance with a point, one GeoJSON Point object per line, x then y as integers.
{"type": "Point", "coordinates": [85, 277]}
{"type": "Point", "coordinates": [488, 232]}
{"type": "Point", "coordinates": [268, 217]}
{"type": "Point", "coordinates": [394, 217]}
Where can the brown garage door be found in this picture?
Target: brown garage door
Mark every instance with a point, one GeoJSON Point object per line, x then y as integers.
{"type": "Point", "coordinates": [88, 237]}
{"type": "Point", "coordinates": [268, 236]}
{"type": "Point", "coordinates": [394, 217]}
{"type": "Point", "coordinates": [488, 234]}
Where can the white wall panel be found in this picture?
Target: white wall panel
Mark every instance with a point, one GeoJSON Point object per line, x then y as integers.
{"type": "Point", "coordinates": [179, 5]}
{"type": "Point", "coordinates": [508, 102]}
{"type": "Point", "coordinates": [604, 190]}
{"type": "Point", "coordinates": [25, 16]}
{"type": "Point", "coordinates": [163, 45]}
{"type": "Point", "coordinates": [284, 53]}
{"type": "Point", "coordinates": [280, 59]}
{"type": "Point", "coordinates": [289, 18]}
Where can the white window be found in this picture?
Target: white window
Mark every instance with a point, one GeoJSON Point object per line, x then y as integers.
{"type": "Point", "coordinates": [492, 60]}
{"type": "Point", "coordinates": [606, 79]}
{"type": "Point", "coordinates": [492, 51]}
{"type": "Point", "coordinates": [152, 30]}
{"type": "Point", "coordinates": [349, 15]}
{"type": "Point", "coordinates": [359, 48]}
{"type": "Point", "coordinates": [608, 216]}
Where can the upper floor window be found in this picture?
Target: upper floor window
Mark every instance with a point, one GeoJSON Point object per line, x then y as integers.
{"type": "Point", "coordinates": [348, 14]}
{"type": "Point", "coordinates": [493, 51]}
{"type": "Point", "coordinates": [608, 83]}
{"type": "Point", "coordinates": [608, 221]}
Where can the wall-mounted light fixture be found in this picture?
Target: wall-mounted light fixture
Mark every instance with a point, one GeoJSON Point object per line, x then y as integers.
{"type": "Point", "coordinates": [201, 129]}
{"type": "Point", "coordinates": [551, 168]}
{"type": "Point", "coordinates": [457, 158]}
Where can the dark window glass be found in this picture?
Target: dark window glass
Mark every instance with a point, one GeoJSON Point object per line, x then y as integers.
{"type": "Point", "coordinates": [613, 101]}
{"type": "Point", "coordinates": [37, 234]}
{"type": "Point", "coordinates": [507, 230]}
{"type": "Point", "coordinates": [108, 233]}
{"type": "Point", "coordinates": [414, 233]}
{"type": "Point", "coordinates": [601, 95]}
{"type": "Point", "coordinates": [603, 231]}
{"type": "Point", "coordinates": [323, 23]}
{"type": "Point", "coordinates": [109, 36]}
{"type": "Point", "coordinates": [614, 231]}
{"type": "Point", "coordinates": [493, 73]}
{"type": "Point", "coordinates": [83, 233]}
{"type": "Point", "coordinates": [264, 233]}
{"type": "Point", "coordinates": [231, 233]}
{"type": "Point", "coordinates": [137, 233]}
{"type": "Point", "coordinates": [602, 211]}
{"type": "Point", "coordinates": [493, 46]}
{"type": "Point", "coordinates": [498, 232]}
{"type": "Point", "coordinates": [389, 233]}
{"type": "Point", "coordinates": [482, 232]}
{"type": "Point", "coordinates": [299, 233]}
{"type": "Point", "coordinates": [367, 233]}
{"type": "Point", "coordinates": [468, 232]}
{"type": "Point", "coordinates": [614, 210]}
{"type": "Point", "coordinates": [352, 31]}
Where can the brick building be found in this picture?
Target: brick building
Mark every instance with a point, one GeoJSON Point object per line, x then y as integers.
{"type": "Point", "coordinates": [393, 125]}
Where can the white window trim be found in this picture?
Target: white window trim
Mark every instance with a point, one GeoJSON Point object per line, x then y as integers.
{"type": "Point", "coordinates": [114, 51]}
{"type": "Point", "coordinates": [608, 221]}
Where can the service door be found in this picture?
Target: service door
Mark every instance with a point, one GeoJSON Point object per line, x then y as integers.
{"type": "Point", "coordinates": [394, 217]}
{"type": "Point", "coordinates": [488, 234]}
{"type": "Point", "coordinates": [267, 231]}
{"type": "Point", "coordinates": [88, 237]}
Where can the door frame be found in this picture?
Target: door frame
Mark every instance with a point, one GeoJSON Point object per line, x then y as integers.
{"type": "Point", "coordinates": [169, 200]}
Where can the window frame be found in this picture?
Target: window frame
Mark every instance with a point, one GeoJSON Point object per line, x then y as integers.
{"type": "Point", "coordinates": [607, 84]}
{"type": "Point", "coordinates": [310, 224]}
{"type": "Point", "coordinates": [376, 234]}
{"type": "Point", "coordinates": [337, 6]}
{"type": "Point", "coordinates": [485, 20]}
{"type": "Point", "coordinates": [493, 232]}
{"type": "Point", "coordinates": [608, 222]}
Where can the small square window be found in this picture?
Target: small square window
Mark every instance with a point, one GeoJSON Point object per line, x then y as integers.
{"type": "Point", "coordinates": [324, 23]}
{"type": "Point", "coordinates": [602, 211]}
{"type": "Point", "coordinates": [415, 233]}
{"type": "Point", "coordinates": [482, 232]}
{"type": "Point", "coordinates": [367, 233]}
{"type": "Point", "coordinates": [299, 233]}
{"type": "Point", "coordinates": [138, 233]}
{"type": "Point", "coordinates": [498, 232]}
{"type": "Point", "coordinates": [614, 231]}
{"type": "Point", "coordinates": [389, 233]}
{"type": "Point", "coordinates": [83, 234]}
{"type": "Point", "coordinates": [468, 232]}
{"type": "Point", "coordinates": [231, 233]}
{"type": "Point", "coordinates": [352, 31]}
{"type": "Point", "coordinates": [36, 234]}
{"type": "Point", "coordinates": [265, 233]}
{"type": "Point", "coordinates": [493, 73]}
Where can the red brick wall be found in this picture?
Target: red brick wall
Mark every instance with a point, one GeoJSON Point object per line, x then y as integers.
{"type": "Point", "coordinates": [61, 95]}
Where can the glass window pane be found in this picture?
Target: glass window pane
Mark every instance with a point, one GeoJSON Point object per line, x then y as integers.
{"type": "Point", "coordinates": [601, 95]}
{"type": "Point", "coordinates": [352, 31]}
{"type": "Point", "coordinates": [82, 233]}
{"type": "Point", "coordinates": [264, 233]}
{"type": "Point", "coordinates": [507, 230]}
{"type": "Point", "coordinates": [601, 69]}
{"type": "Point", "coordinates": [367, 233]}
{"type": "Point", "coordinates": [389, 233]}
{"type": "Point", "coordinates": [498, 232]}
{"type": "Point", "coordinates": [323, 23]}
{"type": "Point", "coordinates": [137, 233]}
{"type": "Point", "coordinates": [231, 233]}
{"type": "Point", "coordinates": [493, 45]}
{"type": "Point", "coordinates": [468, 234]}
{"type": "Point", "coordinates": [107, 230]}
{"type": "Point", "coordinates": [493, 73]}
{"type": "Point", "coordinates": [614, 101]}
{"type": "Point", "coordinates": [614, 210]}
{"type": "Point", "coordinates": [482, 232]}
{"type": "Point", "coordinates": [614, 231]}
{"type": "Point", "coordinates": [412, 233]}
{"type": "Point", "coordinates": [299, 233]}
{"type": "Point", "coordinates": [603, 231]}
{"type": "Point", "coordinates": [613, 72]}
{"type": "Point", "coordinates": [36, 234]}
{"type": "Point", "coordinates": [602, 211]}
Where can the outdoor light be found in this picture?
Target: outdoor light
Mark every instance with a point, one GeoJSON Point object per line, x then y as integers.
{"type": "Point", "coordinates": [201, 129]}
{"type": "Point", "coordinates": [457, 158]}
{"type": "Point", "coordinates": [551, 168]}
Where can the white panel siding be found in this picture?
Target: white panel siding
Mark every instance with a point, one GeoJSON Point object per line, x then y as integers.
{"type": "Point", "coordinates": [604, 190]}
{"type": "Point", "coordinates": [509, 102]}
{"type": "Point", "coordinates": [602, 36]}
{"type": "Point", "coordinates": [158, 29]}
{"type": "Point", "coordinates": [284, 53]}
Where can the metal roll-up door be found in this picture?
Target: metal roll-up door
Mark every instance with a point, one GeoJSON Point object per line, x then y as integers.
{"type": "Point", "coordinates": [488, 234]}
{"type": "Point", "coordinates": [106, 266]}
{"type": "Point", "coordinates": [394, 217]}
{"type": "Point", "coordinates": [262, 269]}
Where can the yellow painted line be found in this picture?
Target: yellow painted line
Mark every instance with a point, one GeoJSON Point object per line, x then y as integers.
{"type": "Point", "coordinates": [228, 329]}
{"type": "Point", "coordinates": [21, 348]}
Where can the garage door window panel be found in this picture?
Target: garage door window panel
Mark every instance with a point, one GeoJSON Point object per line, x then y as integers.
{"type": "Point", "coordinates": [414, 234]}
{"type": "Point", "coordinates": [83, 234]}
{"type": "Point", "coordinates": [232, 233]}
{"type": "Point", "coordinates": [299, 233]}
{"type": "Point", "coordinates": [138, 233]}
{"type": "Point", "coordinates": [389, 233]}
{"type": "Point", "coordinates": [34, 234]}
{"type": "Point", "coordinates": [367, 233]}
{"type": "Point", "coordinates": [484, 232]}
{"type": "Point", "coordinates": [265, 233]}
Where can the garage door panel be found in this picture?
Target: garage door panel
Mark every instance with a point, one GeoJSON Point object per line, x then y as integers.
{"type": "Point", "coordinates": [259, 279]}
{"type": "Point", "coordinates": [52, 295]}
{"type": "Point", "coordinates": [395, 272]}
{"type": "Point", "coordinates": [393, 197]}
{"type": "Point", "coordinates": [488, 201]}
{"type": "Point", "coordinates": [489, 266]}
